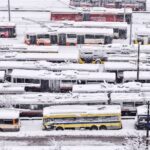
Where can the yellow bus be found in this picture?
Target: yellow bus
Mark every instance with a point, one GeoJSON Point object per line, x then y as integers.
{"type": "Point", "coordinates": [93, 117]}
{"type": "Point", "coordinates": [9, 120]}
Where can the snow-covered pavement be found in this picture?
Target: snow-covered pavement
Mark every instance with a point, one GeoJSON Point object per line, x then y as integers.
{"type": "Point", "coordinates": [34, 128]}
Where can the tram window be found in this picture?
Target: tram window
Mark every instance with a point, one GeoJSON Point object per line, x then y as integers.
{"type": "Point", "coordinates": [25, 106]}
{"type": "Point", "coordinates": [138, 103]}
{"type": "Point", "coordinates": [89, 36]}
{"type": "Point", "coordinates": [1, 121]}
{"type": "Point", "coordinates": [71, 35]}
{"type": "Point", "coordinates": [43, 36]}
{"type": "Point", "coordinates": [66, 81]}
{"type": "Point", "coordinates": [35, 81]}
{"type": "Point", "coordinates": [99, 36]}
{"type": "Point", "coordinates": [128, 104]}
{"type": "Point", "coordinates": [27, 80]}
{"type": "Point", "coordinates": [19, 80]}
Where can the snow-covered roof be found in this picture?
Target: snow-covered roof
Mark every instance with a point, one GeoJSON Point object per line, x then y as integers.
{"type": "Point", "coordinates": [54, 98]}
{"type": "Point", "coordinates": [142, 110]}
{"type": "Point", "coordinates": [85, 31]}
{"type": "Point", "coordinates": [92, 10]}
{"type": "Point", "coordinates": [29, 48]}
{"type": "Point", "coordinates": [122, 66]}
{"type": "Point", "coordinates": [78, 110]}
{"type": "Point", "coordinates": [126, 97]}
{"type": "Point", "coordinates": [120, 25]}
{"type": "Point", "coordinates": [72, 57]}
{"type": "Point", "coordinates": [132, 75]}
{"type": "Point", "coordinates": [64, 75]}
{"type": "Point", "coordinates": [9, 114]}
{"type": "Point", "coordinates": [7, 24]}
{"type": "Point", "coordinates": [39, 65]}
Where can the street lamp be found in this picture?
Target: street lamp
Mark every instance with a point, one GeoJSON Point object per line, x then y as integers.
{"type": "Point", "coordinates": [9, 17]}
{"type": "Point", "coordinates": [147, 127]}
{"type": "Point", "coordinates": [138, 61]}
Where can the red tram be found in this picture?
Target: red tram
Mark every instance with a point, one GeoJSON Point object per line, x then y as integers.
{"type": "Point", "coordinates": [92, 14]}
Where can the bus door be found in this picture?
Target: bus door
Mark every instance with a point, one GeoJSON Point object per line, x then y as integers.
{"type": "Point", "coordinates": [45, 85]}
{"type": "Point", "coordinates": [80, 39]}
{"type": "Point", "coordinates": [108, 40]}
{"type": "Point", "coordinates": [12, 32]}
{"type": "Point", "coordinates": [62, 39]}
{"type": "Point", "coordinates": [56, 85]}
{"type": "Point", "coordinates": [53, 39]}
{"type": "Point", "coordinates": [86, 17]}
{"type": "Point", "coordinates": [122, 34]}
{"type": "Point", "coordinates": [33, 39]}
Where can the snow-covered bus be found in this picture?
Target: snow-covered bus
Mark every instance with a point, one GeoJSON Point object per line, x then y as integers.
{"type": "Point", "coordinates": [9, 120]}
{"type": "Point", "coordinates": [50, 57]}
{"type": "Point", "coordinates": [119, 28]}
{"type": "Point", "coordinates": [142, 36]}
{"type": "Point", "coordinates": [141, 118]}
{"type": "Point", "coordinates": [7, 30]}
{"type": "Point", "coordinates": [59, 81]}
{"type": "Point", "coordinates": [100, 117]}
{"type": "Point", "coordinates": [136, 5]}
{"type": "Point", "coordinates": [32, 104]}
{"type": "Point", "coordinates": [71, 36]}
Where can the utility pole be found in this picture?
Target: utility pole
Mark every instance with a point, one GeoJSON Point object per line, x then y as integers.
{"type": "Point", "coordinates": [138, 62]}
{"type": "Point", "coordinates": [131, 22]}
{"type": "Point", "coordinates": [147, 129]}
{"type": "Point", "coordinates": [9, 16]}
{"type": "Point", "coordinates": [124, 16]}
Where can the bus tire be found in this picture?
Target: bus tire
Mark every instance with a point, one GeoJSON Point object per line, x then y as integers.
{"type": "Point", "coordinates": [59, 128]}
{"type": "Point", "coordinates": [103, 127]}
{"type": "Point", "coordinates": [94, 128]}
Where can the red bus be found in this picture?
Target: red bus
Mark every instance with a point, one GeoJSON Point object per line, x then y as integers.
{"type": "Point", "coordinates": [7, 30]}
{"type": "Point", "coordinates": [136, 5]}
{"type": "Point", "coordinates": [92, 14]}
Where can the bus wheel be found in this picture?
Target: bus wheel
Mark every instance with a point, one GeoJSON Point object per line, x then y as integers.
{"type": "Point", "coordinates": [103, 128]}
{"type": "Point", "coordinates": [94, 128]}
{"type": "Point", "coordinates": [59, 128]}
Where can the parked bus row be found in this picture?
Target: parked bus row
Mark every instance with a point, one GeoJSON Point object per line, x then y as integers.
{"type": "Point", "coordinates": [63, 80]}
{"type": "Point", "coordinates": [100, 117]}
{"type": "Point", "coordinates": [68, 117]}
{"type": "Point", "coordinates": [136, 5]}
{"type": "Point", "coordinates": [31, 105]}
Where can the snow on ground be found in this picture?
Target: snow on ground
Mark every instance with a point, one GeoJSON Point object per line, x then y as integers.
{"type": "Point", "coordinates": [34, 128]}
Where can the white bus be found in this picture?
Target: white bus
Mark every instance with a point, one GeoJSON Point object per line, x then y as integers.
{"type": "Point", "coordinates": [71, 36]}
{"type": "Point", "coordinates": [31, 105]}
{"type": "Point", "coordinates": [59, 81]}
{"type": "Point", "coordinates": [119, 28]}
{"type": "Point", "coordinates": [9, 120]}
{"type": "Point", "coordinates": [78, 117]}
{"type": "Point", "coordinates": [8, 66]}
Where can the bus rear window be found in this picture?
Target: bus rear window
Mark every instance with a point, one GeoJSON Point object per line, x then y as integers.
{"type": "Point", "coordinates": [8, 121]}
